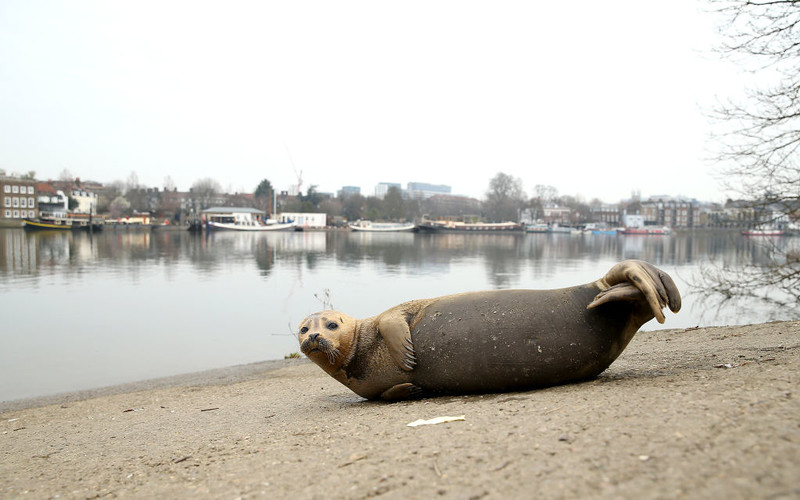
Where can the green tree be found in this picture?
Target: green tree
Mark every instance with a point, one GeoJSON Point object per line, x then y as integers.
{"type": "Point", "coordinates": [393, 204]}
{"type": "Point", "coordinates": [264, 196]}
{"type": "Point", "coordinates": [311, 199]}
{"type": "Point", "coordinates": [353, 207]}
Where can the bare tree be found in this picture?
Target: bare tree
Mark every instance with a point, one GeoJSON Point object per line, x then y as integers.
{"type": "Point", "coordinates": [132, 184]}
{"type": "Point", "coordinates": [504, 199]}
{"type": "Point", "coordinates": [205, 191]}
{"type": "Point", "coordinates": [66, 176]}
{"type": "Point", "coordinates": [759, 134]}
{"type": "Point", "coordinates": [758, 137]}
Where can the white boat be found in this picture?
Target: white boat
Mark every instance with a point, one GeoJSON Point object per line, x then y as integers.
{"type": "Point", "coordinates": [549, 229]}
{"type": "Point", "coordinates": [763, 232]}
{"type": "Point", "coordinates": [537, 228]}
{"type": "Point", "coordinates": [382, 227]}
{"type": "Point", "coordinates": [250, 226]}
{"type": "Point", "coordinates": [598, 228]}
{"type": "Point", "coordinates": [242, 219]}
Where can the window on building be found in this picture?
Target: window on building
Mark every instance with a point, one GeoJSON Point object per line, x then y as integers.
{"type": "Point", "coordinates": [30, 203]}
{"type": "Point", "coordinates": [30, 189]}
{"type": "Point", "coordinates": [8, 200]}
{"type": "Point", "coordinates": [16, 214]}
{"type": "Point", "coordinates": [15, 189]}
{"type": "Point", "coordinates": [7, 188]}
{"type": "Point", "coordinates": [16, 202]}
{"type": "Point", "coordinates": [31, 214]}
{"type": "Point", "coordinates": [23, 202]}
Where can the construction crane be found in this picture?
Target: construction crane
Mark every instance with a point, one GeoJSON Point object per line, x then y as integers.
{"type": "Point", "coordinates": [297, 174]}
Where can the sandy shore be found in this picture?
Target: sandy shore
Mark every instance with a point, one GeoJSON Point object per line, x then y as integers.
{"type": "Point", "coordinates": [708, 413]}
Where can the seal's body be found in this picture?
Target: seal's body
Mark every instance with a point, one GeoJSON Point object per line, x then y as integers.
{"type": "Point", "coordinates": [489, 341]}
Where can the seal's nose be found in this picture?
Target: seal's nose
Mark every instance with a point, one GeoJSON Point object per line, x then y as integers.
{"type": "Point", "coordinates": [313, 337]}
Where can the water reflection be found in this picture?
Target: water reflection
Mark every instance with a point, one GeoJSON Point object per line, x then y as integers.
{"type": "Point", "coordinates": [133, 305]}
{"type": "Point", "coordinates": [30, 253]}
{"type": "Point", "coordinates": [508, 260]}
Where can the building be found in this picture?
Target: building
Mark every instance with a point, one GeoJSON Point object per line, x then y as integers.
{"type": "Point", "coordinates": [349, 191]}
{"type": "Point", "coordinates": [52, 202]}
{"type": "Point", "coordinates": [423, 191]}
{"type": "Point", "coordinates": [555, 214]}
{"type": "Point", "coordinates": [19, 200]}
{"type": "Point", "coordinates": [634, 221]}
{"type": "Point", "coordinates": [610, 214]}
{"type": "Point", "coordinates": [679, 214]}
{"type": "Point", "coordinates": [383, 187]}
{"type": "Point", "coordinates": [668, 212]}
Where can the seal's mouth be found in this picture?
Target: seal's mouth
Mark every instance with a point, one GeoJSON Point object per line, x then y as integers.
{"type": "Point", "coordinates": [315, 343]}
{"type": "Point", "coordinates": [320, 345]}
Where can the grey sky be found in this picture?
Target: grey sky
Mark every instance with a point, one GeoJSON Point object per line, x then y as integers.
{"type": "Point", "coordinates": [594, 98]}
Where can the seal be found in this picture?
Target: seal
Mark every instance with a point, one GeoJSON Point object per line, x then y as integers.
{"type": "Point", "coordinates": [490, 341]}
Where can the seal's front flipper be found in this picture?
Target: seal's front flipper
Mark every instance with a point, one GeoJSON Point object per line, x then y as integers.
{"type": "Point", "coordinates": [397, 335]}
{"type": "Point", "coordinates": [402, 391]}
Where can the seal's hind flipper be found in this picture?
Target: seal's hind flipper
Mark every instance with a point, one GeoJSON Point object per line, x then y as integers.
{"type": "Point", "coordinates": [402, 391]}
{"type": "Point", "coordinates": [397, 335]}
{"type": "Point", "coordinates": [656, 286]}
{"type": "Point", "coordinates": [622, 291]}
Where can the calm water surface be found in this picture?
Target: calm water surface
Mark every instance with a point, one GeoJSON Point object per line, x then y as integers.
{"type": "Point", "coordinates": [81, 312]}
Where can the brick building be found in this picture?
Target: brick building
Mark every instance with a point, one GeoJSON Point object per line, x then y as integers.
{"type": "Point", "coordinates": [18, 200]}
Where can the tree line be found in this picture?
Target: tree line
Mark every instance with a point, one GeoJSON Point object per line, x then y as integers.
{"type": "Point", "coordinates": [505, 199]}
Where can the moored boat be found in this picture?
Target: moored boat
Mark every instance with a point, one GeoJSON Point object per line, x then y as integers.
{"type": "Point", "coordinates": [382, 227]}
{"type": "Point", "coordinates": [646, 231]}
{"type": "Point", "coordinates": [470, 227]}
{"type": "Point", "coordinates": [548, 229]}
{"type": "Point", "coordinates": [250, 226]}
{"type": "Point", "coordinates": [242, 219]}
{"type": "Point", "coordinates": [537, 228]}
{"type": "Point", "coordinates": [69, 223]}
{"type": "Point", "coordinates": [598, 228]}
{"type": "Point", "coordinates": [763, 232]}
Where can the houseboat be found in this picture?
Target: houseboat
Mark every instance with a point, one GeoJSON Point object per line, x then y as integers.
{"type": "Point", "coordinates": [647, 231]}
{"type": "Point", "coordinates": [548, 229]}
{"type": "Point", "coordinates": [241, 219]}
{"type": "Point", "coordinates": [447, 226]}
{"type": "Point", "coordinates": [594, 228]}
{"type": "Point", "coordinates": [382, 227]}
{"type": "Point", "coordinates": [68, 222]}
{"type": "Point", "coordinates": [765, 231]}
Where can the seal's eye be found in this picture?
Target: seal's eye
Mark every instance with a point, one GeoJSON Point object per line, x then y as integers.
{"type": "Point", "coordinates": [331, 326]}
{"type": "Point", "coordinates": [304, 329]}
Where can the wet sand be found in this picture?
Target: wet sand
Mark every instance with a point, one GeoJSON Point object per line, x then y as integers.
{"type": "Point", "coordinates": [703, 413]}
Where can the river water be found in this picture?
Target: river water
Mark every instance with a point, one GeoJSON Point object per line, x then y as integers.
{"type": "Point", "coordinates": [83, 311]}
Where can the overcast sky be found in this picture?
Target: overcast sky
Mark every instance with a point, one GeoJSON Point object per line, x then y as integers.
{"type": "Point", "coordinates": [593, 98]}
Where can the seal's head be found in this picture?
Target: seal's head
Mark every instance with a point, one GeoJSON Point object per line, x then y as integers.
{"type": "Point", "coordinates": [327, 337]}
